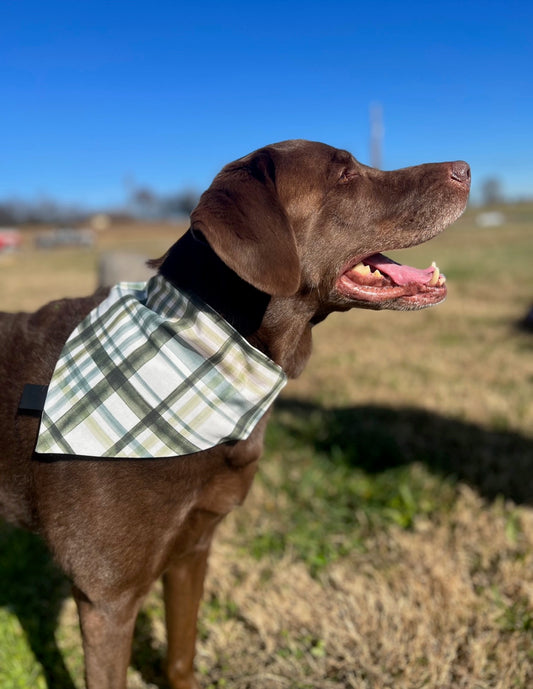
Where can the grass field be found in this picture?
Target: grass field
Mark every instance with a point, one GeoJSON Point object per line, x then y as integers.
{"type": "Point", "coordinates": [388, 540]}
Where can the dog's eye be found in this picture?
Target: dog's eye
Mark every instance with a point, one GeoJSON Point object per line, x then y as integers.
{"type": "Point", "coordinates": [347, 174]}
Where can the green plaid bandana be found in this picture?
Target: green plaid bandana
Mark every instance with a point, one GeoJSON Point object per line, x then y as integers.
{"type": "Point", "coordinates": [151, 372]}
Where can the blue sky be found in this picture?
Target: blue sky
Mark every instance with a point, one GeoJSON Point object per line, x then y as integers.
{"type": "Point", "coordinates": [97, 96]}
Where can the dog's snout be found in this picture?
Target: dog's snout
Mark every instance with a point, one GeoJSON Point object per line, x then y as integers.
{"type": "Point", "coordinates": [460, 171]}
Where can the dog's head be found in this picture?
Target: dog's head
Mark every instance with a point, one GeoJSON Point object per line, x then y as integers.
{"type": "Point", "coordinates": [301, 217]}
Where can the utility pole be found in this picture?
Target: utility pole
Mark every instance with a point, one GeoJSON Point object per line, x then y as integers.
{"type": "Point", "coordinates": [376, 135]}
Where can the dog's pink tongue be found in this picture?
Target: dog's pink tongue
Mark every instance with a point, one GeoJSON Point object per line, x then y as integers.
{"type": "Point", "coordinates": [399, 273]}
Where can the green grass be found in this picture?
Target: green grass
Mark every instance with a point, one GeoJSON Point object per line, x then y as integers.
{"type": "Point", "coordinates": [18, 667]}
{"type": "Point", "coordinates": [31, 590]}
{"type": "Point", "coordinates": [330, 491]}
{"type": "Point", "coordinates": [335, 476]}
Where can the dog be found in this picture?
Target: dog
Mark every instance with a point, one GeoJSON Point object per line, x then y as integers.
{"type": "Point", "coordinates": [283, 237]}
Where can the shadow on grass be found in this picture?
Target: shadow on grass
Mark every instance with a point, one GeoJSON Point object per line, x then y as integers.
{"type": "Point", "coordinates": [146, 658]}
{"type": "Point", "coordinates": [374, 439]}
{"type": "Point", "coordinates": [33, 588]}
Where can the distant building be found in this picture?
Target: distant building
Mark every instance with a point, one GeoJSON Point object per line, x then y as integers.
{"type": "Point", "coordinates": [490, 219]}
{"type": "Point", "coordinates": [64, 236]}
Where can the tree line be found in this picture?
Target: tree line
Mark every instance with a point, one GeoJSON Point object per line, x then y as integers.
{"type": "Point", "coordinates": [142, 202]}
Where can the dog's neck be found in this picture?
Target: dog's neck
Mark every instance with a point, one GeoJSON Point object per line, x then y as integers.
{"type": "Point", "coordinates": [191, 265]}
{"type": "Point", "coordinates": [269, 323]}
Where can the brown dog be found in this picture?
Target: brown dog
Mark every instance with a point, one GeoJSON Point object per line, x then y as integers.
{"type": "Point", "coordinates": [272, 247]}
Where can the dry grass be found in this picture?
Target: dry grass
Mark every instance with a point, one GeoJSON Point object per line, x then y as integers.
{"type": "Point", "coordinates": [34, 277]}
{"type": "Point", "coordinates": [436, 606]}
{"type": "Point", "coordinates": [428, 582]}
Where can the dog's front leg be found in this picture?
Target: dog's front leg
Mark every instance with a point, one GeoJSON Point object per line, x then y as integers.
{"type": "Point", "coordinates": [107, 633]}
{"type": "Point", "coordinates": [183, 586]}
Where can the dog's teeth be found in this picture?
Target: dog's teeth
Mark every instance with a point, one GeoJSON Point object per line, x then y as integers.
{"type": "Point", "coordinates": [361, 269]}
{"type": "Point", "coordinates": [435, 276]}
{"type": "Point", "coordinates": [377, 274]}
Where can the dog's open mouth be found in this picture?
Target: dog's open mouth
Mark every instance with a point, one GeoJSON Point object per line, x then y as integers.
{"type": "Point", "coordinates": [378, 280]}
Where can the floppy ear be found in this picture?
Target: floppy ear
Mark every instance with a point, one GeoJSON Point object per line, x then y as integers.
{"type": "Point", "coordinates": [241, 217]}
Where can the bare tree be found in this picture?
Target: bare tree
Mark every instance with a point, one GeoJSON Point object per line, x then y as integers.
{"type": "Point", "coordinates": [491, 191]}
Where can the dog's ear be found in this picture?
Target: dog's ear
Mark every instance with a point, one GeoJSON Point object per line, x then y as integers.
{"type": "Point", "coordinates": [241, 217]}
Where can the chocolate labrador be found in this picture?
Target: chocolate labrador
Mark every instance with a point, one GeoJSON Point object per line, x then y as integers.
{"type": "Point", "coordinates": [281, 238]}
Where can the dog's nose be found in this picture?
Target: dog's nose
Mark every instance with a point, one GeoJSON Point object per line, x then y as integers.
{"type": "Point", "coordinates": [461, 172]}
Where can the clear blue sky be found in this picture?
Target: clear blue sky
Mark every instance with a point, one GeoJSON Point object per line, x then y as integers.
{"type": "Point", "coordinates": [98, 95]}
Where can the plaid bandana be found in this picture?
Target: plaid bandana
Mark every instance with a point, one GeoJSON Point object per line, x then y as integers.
{"type": "Point", "coordinates": [151, 372]}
